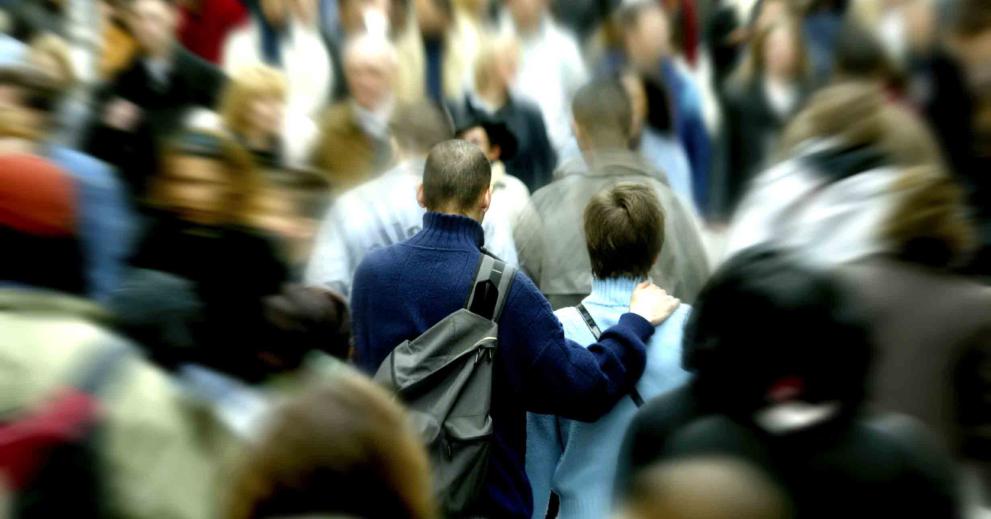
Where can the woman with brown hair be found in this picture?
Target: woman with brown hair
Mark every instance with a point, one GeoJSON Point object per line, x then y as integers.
{"type": "Point", "coordinates": [769, 87]}
{"type": "Point", "coordinates": [343, 449]}
{"type": "Point", "coordinates": [206, 197]}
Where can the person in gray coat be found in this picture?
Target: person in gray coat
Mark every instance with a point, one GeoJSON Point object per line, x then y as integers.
{"type": "Point", "coordinates": [549, 238]}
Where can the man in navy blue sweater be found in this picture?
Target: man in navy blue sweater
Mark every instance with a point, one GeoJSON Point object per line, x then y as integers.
{"type": "Point", "coordinates": [402, 290]}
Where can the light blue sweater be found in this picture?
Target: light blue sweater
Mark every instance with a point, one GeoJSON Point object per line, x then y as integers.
{"type": "Point", "coordinates": [578, 460]}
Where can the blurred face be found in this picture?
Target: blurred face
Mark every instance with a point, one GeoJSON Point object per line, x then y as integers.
{"type": "Point", "coordinates": [506, 65]}
{"type": "Point", "coordinates": [648, 42]}
{"type": "Point", "coordinates": [198, 189]}
{"type": "Point", "coordinates": [780, 53]}
{"type": "Point", "coordinates": [526, 13]}
{"type": "Point", "coordinates": [153, 24]}
{"type": "Point", "coordinates": [480, 138]}
{"type": "Point", "coordinates": [370, 80]}
{"type": "Point", "coordinates": [771, 12]}
{"type": "Point", "coordinates": [265, 114]}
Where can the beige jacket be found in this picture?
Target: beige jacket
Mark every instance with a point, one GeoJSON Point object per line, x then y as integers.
{"type": "Point", "coordinates": [462, 48]}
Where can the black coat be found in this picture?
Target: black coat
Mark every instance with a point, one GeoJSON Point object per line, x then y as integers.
{"type": "Point", "coordinates": [850, 466]}
{"type": "Point", "coordinates": [192, 83]}
{"type": "Point", "coordinates": [750, 133]}
{"type": "Point", "coordinates": [535, 158]}
{"type": "Point", "coordinates": [232, 270]}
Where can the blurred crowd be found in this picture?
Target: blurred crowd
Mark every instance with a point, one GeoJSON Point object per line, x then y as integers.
{"type": "Point", "coordinates": [737, 254]}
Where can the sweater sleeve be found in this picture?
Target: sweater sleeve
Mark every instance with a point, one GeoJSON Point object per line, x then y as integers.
{"type": "Point", "coordinates": [553, 375]}
{"type": "Point", "coordinates": [543, 453]}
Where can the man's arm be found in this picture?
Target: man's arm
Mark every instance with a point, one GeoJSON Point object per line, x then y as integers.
{"type": "Point", "coordinates": [553, 375]}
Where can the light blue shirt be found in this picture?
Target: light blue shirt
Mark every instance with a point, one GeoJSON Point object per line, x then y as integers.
{"type": "Point", "coordinates": [575, 460]}
{"type": "Point", "coordinates": [106, 222]}
{"type": "Point", "coordinates": [667, 154]}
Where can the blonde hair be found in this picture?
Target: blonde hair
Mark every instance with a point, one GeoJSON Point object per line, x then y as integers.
{"type": "Point", "coordinates": [489, 55]}
{"type": "Point", "coordinates": [856, 113]}
{"type": "Point", "coordinates": [246, 85]}
{"type": "Point", "coordinates": [56, 48]}
{"type": "Point", "coordinates": [930, 223]}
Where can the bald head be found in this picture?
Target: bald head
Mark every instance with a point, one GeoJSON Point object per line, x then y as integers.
{"type": "Point", "coordinates": [370, 64]}
{"type": "Point", "coordinates": [456, 179]}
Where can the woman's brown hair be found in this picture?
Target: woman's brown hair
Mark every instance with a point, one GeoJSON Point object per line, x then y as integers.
{"type": "Point", "coordinates": [236, 162]}
{"type": "Point", "coordinates": [344, 448]}
{"type": "Point", "coordinates": [246, 85]}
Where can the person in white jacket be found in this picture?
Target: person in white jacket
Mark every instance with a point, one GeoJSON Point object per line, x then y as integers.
{"type": "Point", "coordinates": [301, 52]}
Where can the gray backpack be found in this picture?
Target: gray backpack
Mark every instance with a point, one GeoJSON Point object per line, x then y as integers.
{"type": "Point", "coordinates": [445, 379]}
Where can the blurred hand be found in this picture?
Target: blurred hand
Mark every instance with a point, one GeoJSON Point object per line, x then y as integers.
{"type": "Point", "coordinates": [652, 303]}
{"type": "Point", "coordinates": [121, 114]}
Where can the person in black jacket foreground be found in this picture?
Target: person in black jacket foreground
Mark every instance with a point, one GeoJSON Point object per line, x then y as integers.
{"type": "Point", "coordinates": [781, 360]}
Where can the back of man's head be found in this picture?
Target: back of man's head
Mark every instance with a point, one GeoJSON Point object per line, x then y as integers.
{"type": "Point", "coordinates": [624, 231]}
{"type": "Point", "coordinates": [418, 127]}
{"type": "Point", "coordinates": [603, 114]}
{"type": "Point", "coordinates": [455, 178]}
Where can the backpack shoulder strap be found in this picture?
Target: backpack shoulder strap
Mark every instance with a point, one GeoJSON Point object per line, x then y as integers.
{"type": "Point", "coordinates": [596, 332]}
{"type": "Point", "coordinates": [493, 279]}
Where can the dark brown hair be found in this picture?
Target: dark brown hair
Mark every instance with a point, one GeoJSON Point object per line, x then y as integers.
{"type": "Point", "coordinates": [624, 231]}
{"type": "Point", "coordinates": [456, 176]}
{"type": "Point", "coordinates": [344, 448]}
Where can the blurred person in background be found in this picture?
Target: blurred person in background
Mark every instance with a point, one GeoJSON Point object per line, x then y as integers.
{"type": "Point", "coordinates": [90, 428]}
{"type": "Point", "coordinates": [492, 95]}
{"type": "Point", "coordinates": [50, 54]}
{"type": "Point", "coordinates": [972, 44]}
{"type": "Point", "coordinates": [624, 230]}
{"type": "Point", "coordinates": [385, 211]}
{"type": "Point", "coordinates": [654, 136]}
{"type": "Point", "coordinates": [647, 48]}
{"type": "Point", "coordinates": [207, 193]}
{"type": "Point", "coordinates": [77, 22]}
{"type": "Point", "coordinates": [860, 56]}
{"type": "Point", "coordinates": [790, 397]}
{"type": "Point", "coordinates": [509, 195]}
{"type": "Point", "coordinates": [551, 68]}
{"type": "Point", "coordinates": [298, 49]}
{"type": "Point", "coordinates": [292, 203]}
{"type": "Point", "coordinates": [934, 358]}
{"type": "Point", "coordinates": [822, 21]}
{"type": "Point", "coordinates": [105, 221]}
{"type": "Point", "coordinates": [354, 143]}
{"type": "Point", "coordinates": [343, 448]}
{"type": "Point", "coordinates": [768, 89]}
{"type": "Point", "coordinates": [705, 488]}
{"type": "Point", "coordinates": [254, 109]}
{"type": "Point", "coordinates": [550, 240]}
{"type": "Point", "coordinates": [420, 281]}
{"type": "Point", "coordinates": [150, 99]}
{"type": "Point", "coordinates": [838, 184]}
{"type": "Point", "coordinates": [436, 54]}
{"type": "Point", "coordinates": [206, 24]}
{"type": "Point", "coordinates": [383, 18]}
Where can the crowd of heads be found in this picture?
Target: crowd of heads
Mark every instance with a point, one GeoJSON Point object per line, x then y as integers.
{"type": "Point", "coordinates": [784, 141]}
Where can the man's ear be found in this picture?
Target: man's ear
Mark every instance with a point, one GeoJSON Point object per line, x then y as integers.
{"type": "Point", "coordinates": [579, 134]}
{"type": "Point", "coordinates": [486, 200]}
{"type": "Point", "coordinates": [420, 198]}
{"type": "Point", "coordinates": [495, 153]}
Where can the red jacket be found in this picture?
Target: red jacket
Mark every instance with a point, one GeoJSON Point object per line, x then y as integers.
{"type": "Point", "coordinates": [204, 29]}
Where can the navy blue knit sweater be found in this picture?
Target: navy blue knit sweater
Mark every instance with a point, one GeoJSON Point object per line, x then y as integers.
{"type": "Point", "coordinates": [402, 290]}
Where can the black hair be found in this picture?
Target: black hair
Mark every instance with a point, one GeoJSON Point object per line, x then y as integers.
{"type": "Point", "coordinates": [659, 116]}
{"type": "Point", "coordinates": [764, 317]}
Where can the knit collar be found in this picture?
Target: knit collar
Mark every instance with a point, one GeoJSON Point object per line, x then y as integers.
{"type": "Point", "coordinates": [612, 292]}
{"type": "Point", "coordinates": [449, 231]}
